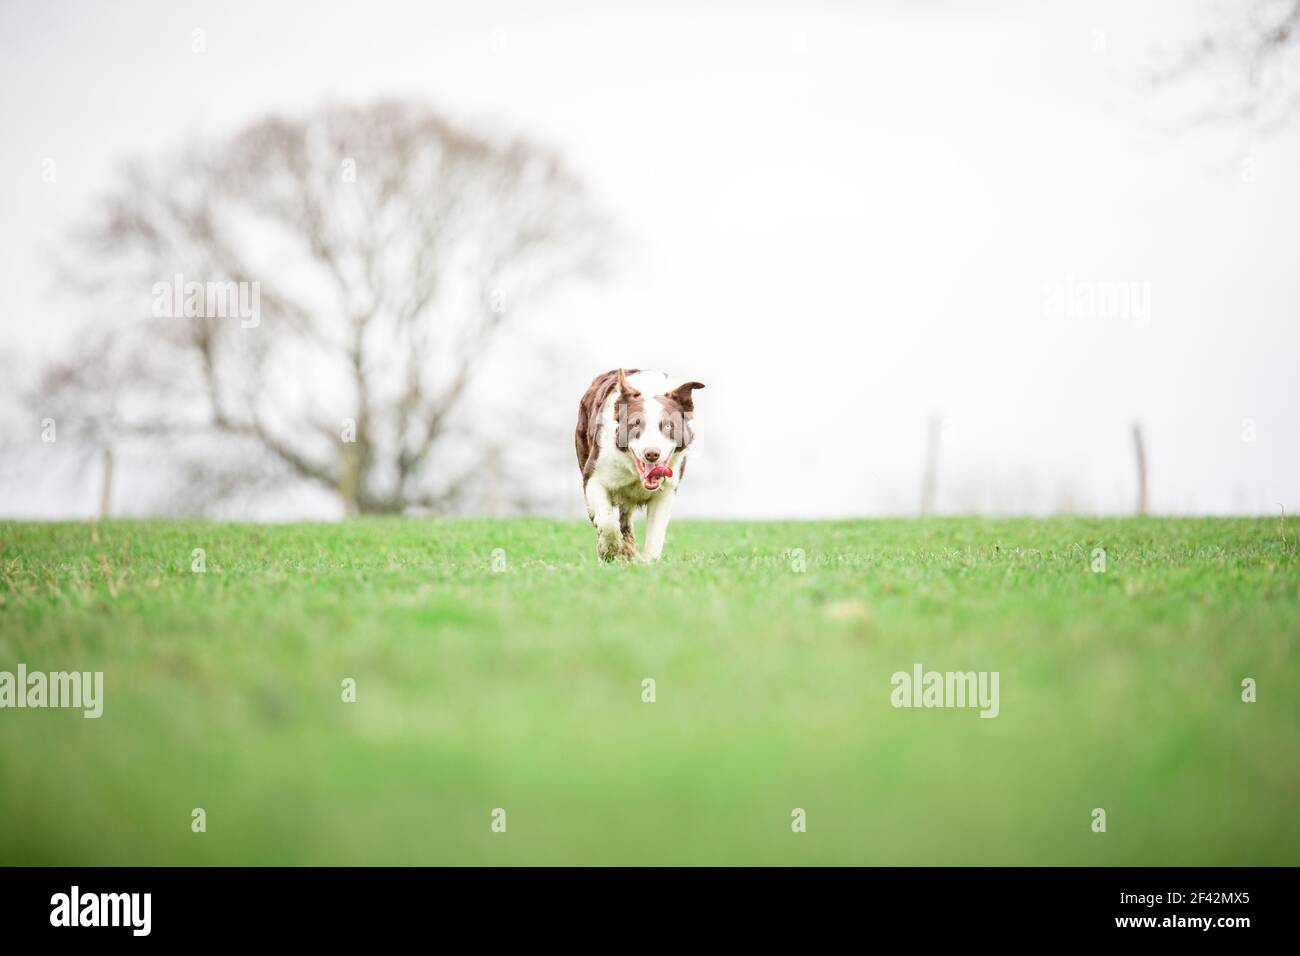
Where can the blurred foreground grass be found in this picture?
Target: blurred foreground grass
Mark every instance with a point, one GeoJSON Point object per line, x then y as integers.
{"type": "Point", "coordinates": [522, 689]}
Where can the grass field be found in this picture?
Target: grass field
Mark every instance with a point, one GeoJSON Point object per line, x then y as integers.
{"type": "Point", "coordinates": [521, 688]}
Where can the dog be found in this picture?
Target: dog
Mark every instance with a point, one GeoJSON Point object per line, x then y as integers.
{"type": "Point", "coordinates": [632, 427]}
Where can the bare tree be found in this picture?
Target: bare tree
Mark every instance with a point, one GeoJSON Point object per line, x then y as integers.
{"type": "Point", "coordinates": [339, 281]}
{"type": "Point", "coordinates": [1246, 65]}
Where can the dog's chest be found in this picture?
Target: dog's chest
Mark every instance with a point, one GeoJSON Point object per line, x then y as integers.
{"type": "Point", "coordinates": [619, 477]}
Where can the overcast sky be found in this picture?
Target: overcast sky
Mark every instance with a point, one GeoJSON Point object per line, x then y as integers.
{"type": "Point", "coordinates": [842, 217]}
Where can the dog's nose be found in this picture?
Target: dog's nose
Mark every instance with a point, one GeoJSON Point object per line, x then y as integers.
{"type": "Point", "coordinates": [651, 455]}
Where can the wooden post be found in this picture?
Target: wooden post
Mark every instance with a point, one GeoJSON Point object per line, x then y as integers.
{"type": "Point", "coordinates": [106, 484]}
{"type": "Point", "coordinates": [1140, 448]}
{"type": "Point", "coordinates": [930, 479]}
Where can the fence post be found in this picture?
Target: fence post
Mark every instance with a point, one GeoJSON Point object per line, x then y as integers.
{"type": "Point", "coordinates": [1140, 448]}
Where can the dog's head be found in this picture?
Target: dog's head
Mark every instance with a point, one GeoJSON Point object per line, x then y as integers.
{"type": "Point", "coordinates": [651, 427]}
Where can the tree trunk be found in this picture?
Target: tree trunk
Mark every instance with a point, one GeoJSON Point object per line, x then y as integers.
{"type": "Point", "coordinates": [350, 478]}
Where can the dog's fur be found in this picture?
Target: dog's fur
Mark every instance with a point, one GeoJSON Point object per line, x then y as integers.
{"type": "Point", "coordinates": [624, 416]}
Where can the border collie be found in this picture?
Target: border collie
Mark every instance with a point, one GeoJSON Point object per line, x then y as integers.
{"type": "Point", "coordinates": [634, 429]}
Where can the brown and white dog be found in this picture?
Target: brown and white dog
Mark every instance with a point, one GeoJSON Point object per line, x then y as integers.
{"type": "Point", "coordinates": [632, 425]}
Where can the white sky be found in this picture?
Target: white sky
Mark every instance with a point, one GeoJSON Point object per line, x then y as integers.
{"type": "Point", "coordinates": [842, 217]}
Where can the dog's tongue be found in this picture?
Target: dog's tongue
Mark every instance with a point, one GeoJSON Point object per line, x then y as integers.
{"type": "Point", "coordinates": [658, 471]}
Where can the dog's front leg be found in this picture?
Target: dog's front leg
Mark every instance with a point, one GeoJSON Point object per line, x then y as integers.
{"type": "Point", "coordinates": [658, 512]}
{"type": "Point", "coordinates": [609, 538]}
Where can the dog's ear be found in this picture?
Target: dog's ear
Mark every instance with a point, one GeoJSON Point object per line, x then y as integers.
{"type": "Point", "coordinates": [627, 391]}
{"type": "Point", "coordinates": [682, 395]}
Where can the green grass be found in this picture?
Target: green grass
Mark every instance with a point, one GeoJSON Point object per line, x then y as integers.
{"type": "Point", "coordinates": [523, 690]}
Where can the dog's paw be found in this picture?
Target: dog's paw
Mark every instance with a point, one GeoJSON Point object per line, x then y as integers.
{"type": "Point", "coordinates": [609, 548]}
{"type": "Point", "coordinates": [628, 548]}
